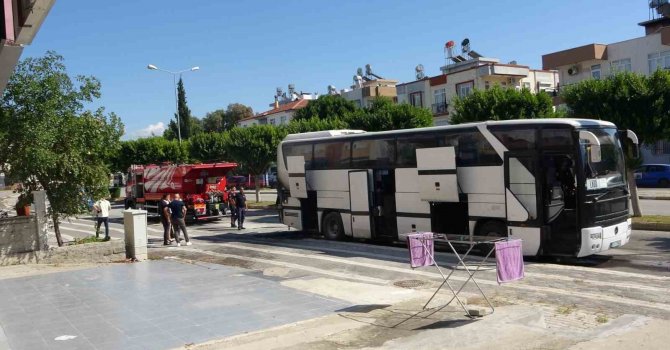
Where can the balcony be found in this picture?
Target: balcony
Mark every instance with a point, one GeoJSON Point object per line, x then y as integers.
{"type": "Point", "coordinates": [440, 108]}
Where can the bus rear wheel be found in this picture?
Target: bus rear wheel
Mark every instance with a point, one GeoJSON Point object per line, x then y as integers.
{"type": "Point", "coordinates": [332, 227]}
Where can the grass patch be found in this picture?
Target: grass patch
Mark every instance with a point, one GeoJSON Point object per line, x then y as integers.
{"type": "Point", "coordinates": [566, 310]}
{"type": "Point", "coordinates": [602, 319]}
{"type": "Point", "coordinates": [89, 239]}
{"type": "Point", "coordinates": [653, 219]}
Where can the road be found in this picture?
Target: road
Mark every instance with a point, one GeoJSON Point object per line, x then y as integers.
{"type": "Point", "coordinates": [655, 207]}
{"type": "Point", "coordinates": [630, 280]}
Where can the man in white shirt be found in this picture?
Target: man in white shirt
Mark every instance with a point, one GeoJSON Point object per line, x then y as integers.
{"type": "Point", "coordinates": [102, 208]}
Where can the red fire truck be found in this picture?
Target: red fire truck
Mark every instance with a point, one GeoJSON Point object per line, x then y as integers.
{"type": "Point", "coordinates": [202, 187]}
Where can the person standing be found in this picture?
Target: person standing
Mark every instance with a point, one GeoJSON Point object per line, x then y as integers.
{"type": "Point", "coordinates": [164, 212]}
{"type": "Point", "coordinates": [231, 203]}
{"type": "Point", "coordinates": [178, 212]}
{"type": "Point", "coordinates": [102, 208]}
{"type": "Point", "coordinates": [241, 204]}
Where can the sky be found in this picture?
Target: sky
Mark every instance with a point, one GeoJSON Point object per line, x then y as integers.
{"type": "Point", "coordinates": [246, 49]}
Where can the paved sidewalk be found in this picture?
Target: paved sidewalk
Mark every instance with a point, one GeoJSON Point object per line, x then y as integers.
{"type": "Point", "coordinates": [151, 305]}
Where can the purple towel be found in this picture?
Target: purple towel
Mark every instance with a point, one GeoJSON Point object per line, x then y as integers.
{"type": "Point", "coordinates": [509, 260]}
{"type": "Point", "coordinates": [421, 249]}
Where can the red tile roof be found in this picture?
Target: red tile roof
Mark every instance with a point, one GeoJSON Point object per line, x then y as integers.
{"type": "Point", "coordinates": [297, 104]}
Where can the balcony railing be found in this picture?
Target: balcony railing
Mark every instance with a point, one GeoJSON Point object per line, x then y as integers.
{"type": "Point", "coordinates": [440, 108]}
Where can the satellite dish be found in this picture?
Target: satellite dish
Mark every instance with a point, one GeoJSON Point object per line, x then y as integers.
{"type": "Point", "coordinates": [279, 91]}
{"type": "Point", "coordinates": [465, 45]}
{"type": "Point", "coordinates": [359, 71]}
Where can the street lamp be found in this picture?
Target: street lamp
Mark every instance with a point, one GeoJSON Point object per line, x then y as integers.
{"type": "Point", "coordinates": [176, 97]}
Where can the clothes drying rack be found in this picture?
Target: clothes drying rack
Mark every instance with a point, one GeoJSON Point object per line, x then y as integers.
{"type": "Point", "coordinates": [471, 241]}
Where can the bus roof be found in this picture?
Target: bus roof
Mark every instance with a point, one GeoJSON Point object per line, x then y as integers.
{"type": "Point", "coordinates": [577, 123]}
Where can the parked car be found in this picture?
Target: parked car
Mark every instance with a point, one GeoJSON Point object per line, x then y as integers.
{"type": "Point", "coordinates": [653, 175]}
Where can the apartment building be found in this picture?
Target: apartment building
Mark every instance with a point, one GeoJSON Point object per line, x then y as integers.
{"type": "Point", "coordinates": [642, 55]}
{"type": "Point", "coordinates": [462, 75]}
{"type": "Point", "coordinates": [283, 108]}
{"type": "Point", "coordinates": [366, 86]}
{"type": "Point", "coordinates": [19, 22]}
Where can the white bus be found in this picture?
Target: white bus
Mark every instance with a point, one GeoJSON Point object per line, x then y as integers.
{"type": "Point", "coordinates": [558, 184]}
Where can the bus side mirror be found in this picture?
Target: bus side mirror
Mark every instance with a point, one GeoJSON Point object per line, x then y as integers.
{"type": "Point", "coordinates": [594, 145]}
{"type": "Point", "coordinates": [635, 144]}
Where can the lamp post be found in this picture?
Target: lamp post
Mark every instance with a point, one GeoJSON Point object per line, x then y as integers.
{"type": "Point", "coordinates": [176, 97]}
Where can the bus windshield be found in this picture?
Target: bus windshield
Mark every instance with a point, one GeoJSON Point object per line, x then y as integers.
{"type": "Point", "coordinates": [610, 171]}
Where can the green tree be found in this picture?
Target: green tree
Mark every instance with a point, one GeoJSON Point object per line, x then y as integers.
{"type": "Point", "coordinates": [184, 116]}
{"type": "Point", "coordinates": [52, 142]}
{"type": "Point", "coordinates": [501, 104]}
{"type": "Point", "coordinates": [222, 120]}
{"type": "Point", "coordinates": [630, 101]}
{"type": "Point", "coordinates": [297, 126]}
{"type": "Point", "coordinates": [150, 150]}
{"type": "Point", "coordinates": [254, 148]}
{"type": "Point", "coordinates": [326, 107]}
{"type": "Point", "coordinates": [383, 114]}
{"type": "Point", "coordinates": [208, 147]}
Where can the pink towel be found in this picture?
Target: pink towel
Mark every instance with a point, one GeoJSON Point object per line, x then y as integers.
{"type": "Point", "coordinates": [421, 249]}
{"type": "Point", "coordinates": [509, 260]}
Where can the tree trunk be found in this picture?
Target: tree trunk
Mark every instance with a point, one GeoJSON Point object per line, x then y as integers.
{"type": "Point", "coordinates": [59, 239]}
{"type": "Point", "coordinates": [258, 188]}
{"type": "Point", "coordinates": [634, 199]}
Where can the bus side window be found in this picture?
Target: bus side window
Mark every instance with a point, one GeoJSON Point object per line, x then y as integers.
{"type": "Point", "coordinates": [472, 149]}
{"type": "Point", "coordinates": [331, 155]}
{"type": "Point", "coordinates": [407, 149]}
{"type": "Point", "coordinates": [368, 154]}
{"type": "Point", "coordinates": [299, 150]}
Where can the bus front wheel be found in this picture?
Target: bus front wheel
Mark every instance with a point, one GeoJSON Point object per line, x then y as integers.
{"type": "Point", "coordinates": [332, 227]}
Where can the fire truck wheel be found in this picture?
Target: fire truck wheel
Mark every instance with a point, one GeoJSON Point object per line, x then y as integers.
{"type": "Point", "coordinates": [332, 227]}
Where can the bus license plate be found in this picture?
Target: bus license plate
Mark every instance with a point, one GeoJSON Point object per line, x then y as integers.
{"type": "Point", "coordinates": [615, 244]}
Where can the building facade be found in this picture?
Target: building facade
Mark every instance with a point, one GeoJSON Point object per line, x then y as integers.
{"type": "Point", "coordinates": [19, 22]}
{"type": "Point", "coordinates": [282, 110]}
{"type": "Point", "coordinates": [642, 55]}
{"type": "Point", "coordinates": [363, 95]}
{"type": "Point", "coordinates": [461, 78]}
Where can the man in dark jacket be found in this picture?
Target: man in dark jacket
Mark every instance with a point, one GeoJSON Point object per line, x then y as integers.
{"type": "Point", "coordinates": [241, 204]}
{"type": "Point", "coordinates": [164, 212]}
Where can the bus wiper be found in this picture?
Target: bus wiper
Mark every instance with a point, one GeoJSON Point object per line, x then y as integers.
{"type": "Point", "coordinates": [602, 195]}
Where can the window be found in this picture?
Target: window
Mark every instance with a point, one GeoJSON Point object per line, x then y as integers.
{"type": "Point", "coordinates": [622, 65]}
{"type": "Point", "coordinates": [526, 85]}
{"type": "Point", "coordinates": [659, 60]}
{"type": "Point", "coordinates": [517, 139]}
{"type": "Point", "coordinates": [661, 147]}
{"type": "Point", "coordinates": [464, 89]}
{"type": "Point", "coordinates": [282, 119]}
{"type": "Point", "coordinates": [407, 147]}
{"type": "Point", "coordinates": [440, 96]}
{"type": "Point", "coordinates": [299, 150]}
{"type": "Point", "coordinates": [272, 121]}
{"type": "Point", "coordinates": [332, 155]}
{"type": "Point", "coordinates": [595, 71]}
{"type": "Point", "coordinates": [373, 153]}
{"type": "Point", "coordinates": [556, 138]}
{"type": "Point", "coordinates": [416, 99]}
{"type": "Point", "coordinates": [472, 149]}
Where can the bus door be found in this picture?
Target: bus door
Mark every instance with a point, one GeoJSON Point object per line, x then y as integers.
{"type": "Point", "coordinates": [521, 199]}
{"type": "Point", "coordinates": [296, 176]}
{"type": "Point", "coordinates": [359, 200]}
{"type": "Point", "coordinates": [384, 206]}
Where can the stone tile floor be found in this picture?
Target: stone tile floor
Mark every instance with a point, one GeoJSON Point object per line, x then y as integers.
{"type": "Point", "coordinates": [149, 305]}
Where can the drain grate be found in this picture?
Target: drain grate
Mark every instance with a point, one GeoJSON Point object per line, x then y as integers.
{"type": "Point", "coordinates": [409, 284]}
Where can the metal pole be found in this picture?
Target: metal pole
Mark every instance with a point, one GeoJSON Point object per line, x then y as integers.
{"type": "Point", "coordinates": [176, 101]}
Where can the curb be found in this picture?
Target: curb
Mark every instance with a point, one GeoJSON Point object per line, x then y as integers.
{"type": "Point", "coordinates": [650, 226]}
{"type": "Point", "coordinates": [663, 198]}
